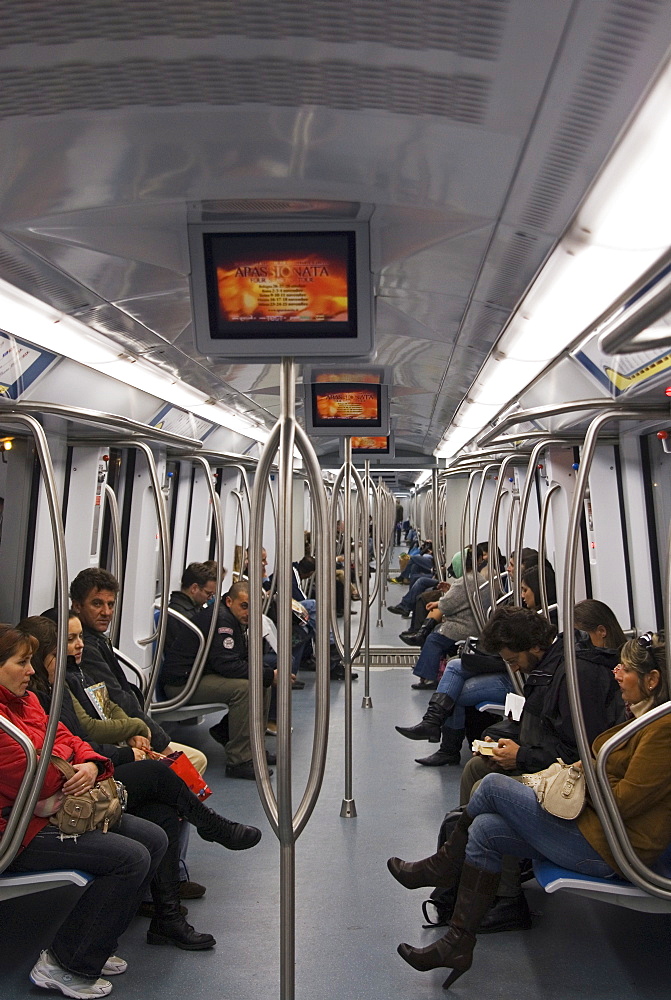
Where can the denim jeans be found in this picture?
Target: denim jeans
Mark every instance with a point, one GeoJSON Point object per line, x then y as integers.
{"type": "Point", "coordinates": [466, 688]}
{"type": "Point", "coordinates": [122, 862]}
{"type": "Point", "coordinates": [433, 650]}
{"type": "Point", "coordinates": [509, 820]}
{"type": "Point", "coordinates": [421, 584]}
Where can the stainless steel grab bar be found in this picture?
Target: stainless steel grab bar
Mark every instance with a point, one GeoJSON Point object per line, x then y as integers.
{"type": "Point", "coordinates": [616, 835]}
{"type": "Point", "coordinates": [542, 548]}
{"type": "Point", "coordinates": [29, 792]}
{"type": "Point", "coordinates": [288, 828]}
{"type": "Point", "coordinates": [110, 500]}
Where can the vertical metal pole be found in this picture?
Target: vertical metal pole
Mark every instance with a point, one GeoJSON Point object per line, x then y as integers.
{"type": "Point", "coordinates": [348, 807]}
{"type": "Point", "coordinates": [437, 561]}
{"type": "Point", "coordinates": [367, 701]}
{"type": "Point", "coordinates": [380, 560]}
{"type": "Point", "coordinates": [542, 534]}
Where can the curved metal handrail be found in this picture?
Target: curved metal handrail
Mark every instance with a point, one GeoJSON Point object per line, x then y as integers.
{"type": "Point", "coordinates": [542, 534]}
{"type": "Point", "coordinates": [529, 481]}
{"type": "Point", "coordinates": [618, 840]}
{"type": "Point", "coordinates": [362, 577]}
{"type": "Point", "coordinates": [463, 543]}
{"type": "Point", "coordinates": [287, 828]}
{"type": "Point", "coordinates": [110, 501]}
{"type": "Point", "coordinates": [15, 828]}
{"type": "Point", "coordinates": [164, 577]}
{"type": "Point", "coordinates": [495, 579]}
{"type": "Point", "coordinates": [20, 817]}
{"type": "Point", "coordinates": [333, 517]}
{"type": "Point", "coordinates": [481, 617]}
{"type": "Point", "coordinates": [160, 707]}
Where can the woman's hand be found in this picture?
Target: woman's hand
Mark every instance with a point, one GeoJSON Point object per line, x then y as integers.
{"type": "Point", "coordinates": [83, 780]}
{"type": "Point", "coordinates": [432, 605]}
{"type": "Point", "coordinates": [139, 743]}
{"type": "Point", "coordinates": [139, 754]}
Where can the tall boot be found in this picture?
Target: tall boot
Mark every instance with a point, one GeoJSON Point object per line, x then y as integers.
{"type": "Point", "coordinates": [477, 890]}
{"type": "Point", "coordinates": [213, 827]}
{"type": "Point", "coordinates": [429, 728]}
{"type": "Point", "coordinates": [449, 752]}
{"type": "Point", "coordinates": [419, 636]}
{"type": "Point", "coordinates": [443, 868]}
{"type": "Point", "coordinates": [168, 926]}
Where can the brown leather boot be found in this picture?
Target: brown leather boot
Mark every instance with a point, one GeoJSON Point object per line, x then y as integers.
{"type": "Point", "coordinates": [442, 869]}
{"type": "Point", "coordinates": [477, 891]}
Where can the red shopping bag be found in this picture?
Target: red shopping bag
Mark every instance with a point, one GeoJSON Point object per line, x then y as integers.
{"type": "Point", "coordinates": [182, 766]}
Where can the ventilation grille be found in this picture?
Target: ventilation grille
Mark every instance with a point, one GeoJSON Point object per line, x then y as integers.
{"type": "Point", "coordinates": [277, 82]}
{"type": "Point", "coordinates": [513, 269]}
{"type": "Point", "coordinates": [614, 51]}
{"type": "Point", "coordinates": [39, 279]}
{"type": "Point", "coordinates": [469, 27]}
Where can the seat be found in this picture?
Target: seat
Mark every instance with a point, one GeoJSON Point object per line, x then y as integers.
{"type": "Point", "coordinates": [12, 885]}
{"type": "Point", "coordinates": [184, 710]}
{"type": "Point", "coordinates": [486, 706]}
{"type": "Point", "coordinates": [616, 891]}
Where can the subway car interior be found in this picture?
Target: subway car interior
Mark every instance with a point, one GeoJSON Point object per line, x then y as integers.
{"type": "Point", "coordinates": [339, 297]}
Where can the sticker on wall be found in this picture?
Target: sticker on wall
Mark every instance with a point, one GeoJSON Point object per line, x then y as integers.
{"type": "Point", "coordinates": [20, 365]}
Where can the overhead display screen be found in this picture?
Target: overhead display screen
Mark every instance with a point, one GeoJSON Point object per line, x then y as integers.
{"type": "Point", "coordinates": [285, 289]}
{"type": "Point", "coordinates": [370, 445]}
{"type": "Point", "coordinates": [262, 284]}
{"type": "Point", "coordinates": [346, 406]}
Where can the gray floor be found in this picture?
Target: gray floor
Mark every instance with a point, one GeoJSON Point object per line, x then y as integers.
{"type": "Point", "coordinates": [350, 912]}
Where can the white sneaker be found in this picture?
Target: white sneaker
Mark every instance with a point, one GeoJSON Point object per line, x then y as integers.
{"type": "Point", "coordinates": [114, 966]}
{"type": "Point", "coordinates": [48, 974]}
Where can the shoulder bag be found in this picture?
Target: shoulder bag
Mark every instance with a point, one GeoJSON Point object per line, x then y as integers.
{"type": "Point", "coordinates": [100, 808]}
{"type": "Point", "coordinates": [560, 789]}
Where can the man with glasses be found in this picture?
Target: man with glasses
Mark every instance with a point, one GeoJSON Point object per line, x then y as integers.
{"type": "Point", "coordinates": [199, 582]}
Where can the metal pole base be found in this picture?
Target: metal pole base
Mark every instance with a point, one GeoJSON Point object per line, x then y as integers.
{"type": "Point", "coordinates": [380, 623]}
{"type": "Point", "coordinates": [366, 701]}
{"type": "Point", "coordinates": [348, 809]}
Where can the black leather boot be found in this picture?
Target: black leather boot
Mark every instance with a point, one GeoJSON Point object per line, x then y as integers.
{"type": "Point", "coordinates": [418, 638]}
{"type": "Point", "coordinates": [477, 890]}
{"type": "Point", "coordinates": [168, 926]}
{"type": "Point", "coordinates": [442, 869]}
{"type": "Point", "coordinates": [449, 752]}
{"type": "Point", "coordinates": [429, 728]}
{"type": "Point", "coordinates": [213, 827]}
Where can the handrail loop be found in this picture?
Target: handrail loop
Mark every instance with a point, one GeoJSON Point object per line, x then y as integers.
{"type": "Point", "coordinates": [597, 782]}
{"type": "Point", "coordinates": [542, 548]}
{"type": "Point", "coordinates": [495, 580]}
{"type": "Point", "coordinates": [110, 501]}
{"type": "Point", "coordinates": [31, 785]}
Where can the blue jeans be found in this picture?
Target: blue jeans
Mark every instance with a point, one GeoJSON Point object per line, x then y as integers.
{"type": "Point", "coordinates": [418, 587]}
{"type": "Point", "coordinates": [509, 820]}
{"type": "Point", "coordinates": [122, 862]}
{"type": "Point", "coordinates": [466, 688]}
{"type": "Point", "coordinates": [418, 566]}
{"type": "Point", "coordinates": [433, 650]}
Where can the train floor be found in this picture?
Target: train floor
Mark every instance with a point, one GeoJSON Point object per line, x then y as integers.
{"type": "Point", "coordinates": [350, 913]}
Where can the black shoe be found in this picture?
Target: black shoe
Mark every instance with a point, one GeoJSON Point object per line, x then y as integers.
{"type": "Point", "coordinates": [424, 685]}
{"type": "Point", "coordinates": [338, 673]}
{"type": "Point", "coordinates": [147, 909]}
{"type": "Point", "coordinates": [175, 930]}
{"type": "Point", "coordinates": [508, 913]}
{"type": "Point", "coordinates": [244, 770]}
{"type": "Point", "coordinates": [398, 609]}
{"type": "Point", "coordinates": [191, 890]}
{"type": "Point", "coordinates": [412, 638]}
{"type": "Point", "coordinates": [297, 686]}
{"type": "Point", "coordinates": [235, 836]}
{"type": "Point", "coordinates": [310, 664]}
{"type": "Point", "coordinates": [439, 759]}
{"type": "Point", "coordinates": [271, 758]}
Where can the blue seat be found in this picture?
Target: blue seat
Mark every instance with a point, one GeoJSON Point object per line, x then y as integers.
{"type": "Point", "coordinates": [486, 706]}
{"type": "Point", "coordinates": [12, 884]}
{"type": "Point", "coordinates": [616, 891]}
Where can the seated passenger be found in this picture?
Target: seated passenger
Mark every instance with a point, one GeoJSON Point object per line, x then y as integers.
{"type": "Point", "coordinates": [199, 582]}
{"type": "Point", "coordinates": [154, 791]}
{"type": "Point", "coordinates": [122, 861]}
{"type": "Point", "coordinates": [530, 590]}
{"type": "Point", "coordinates": [225, 678]}
{"type": "Point", "coordinates": [504, 817]}
{"type": "Point", "coordinates": [457, 623]}
{"type": "Point", "coordinates": [93, 593]}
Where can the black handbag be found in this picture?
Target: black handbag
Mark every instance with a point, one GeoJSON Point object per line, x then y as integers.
{"type": "Point", "coordinates": [478, 662]}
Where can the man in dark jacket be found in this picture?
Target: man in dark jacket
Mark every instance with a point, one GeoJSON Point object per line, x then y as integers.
{"type": "Point", "coordinates": [225, 677]}
{"type": "Point", "coordinates": [198, 585]}
{"type": "Point", "coordinates": [527, 642]}
{"type": "Point", "coordinates": [93, 593]}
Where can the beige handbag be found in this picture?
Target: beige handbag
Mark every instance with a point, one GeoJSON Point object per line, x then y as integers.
{"type": "Point", "coordinates": [560, 789]}
{"type": "Point", "coordinates": [99, 808]}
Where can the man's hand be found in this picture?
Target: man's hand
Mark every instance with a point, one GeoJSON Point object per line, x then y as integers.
{"type": "Point", "coordinates": [506, 754]}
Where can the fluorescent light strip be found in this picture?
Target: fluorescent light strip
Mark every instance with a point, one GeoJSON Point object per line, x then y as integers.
{"type": "Point", "coordinates": [23, 316]}
{"type": "Point", "coordinates": [620, 230]}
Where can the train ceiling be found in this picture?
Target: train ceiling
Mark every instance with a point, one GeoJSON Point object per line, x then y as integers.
{"type": "Point", "coordinates": [469, 130]}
